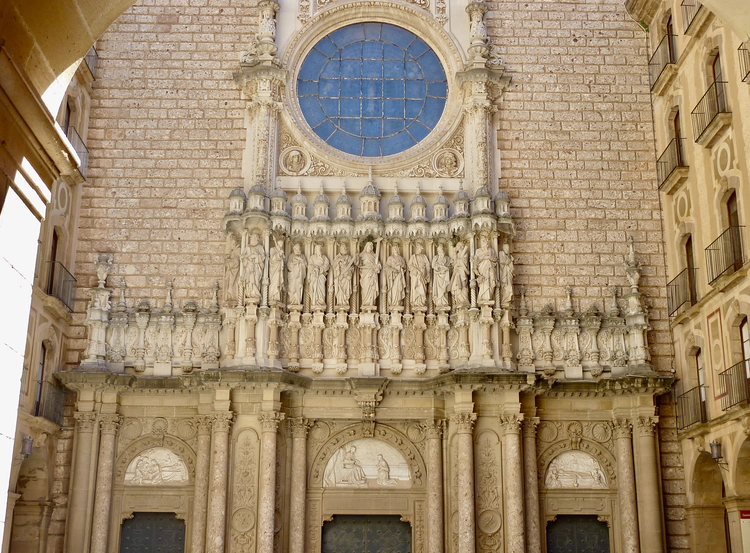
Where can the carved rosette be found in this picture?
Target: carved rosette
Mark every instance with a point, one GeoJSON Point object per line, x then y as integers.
{"type": "Point", "coordinates": [85, 422]}
{"type": "Point", "coordinates": [270, 420]}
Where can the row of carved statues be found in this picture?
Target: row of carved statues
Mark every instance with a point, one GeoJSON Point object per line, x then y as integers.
{"type": "Point", "coordinates": [377, 278]}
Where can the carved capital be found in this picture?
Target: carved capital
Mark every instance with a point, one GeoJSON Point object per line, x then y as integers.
{"type": "Point", "coordinates": [464, 422]}
{"type": "Point", "coordinates": [269, 421]}
{"type": "Point", "coordinates": [222, 421]}
{"type": "Point", "coordinates": [85, 422]}
{"type": "Point", "coordinates": [511, 423]}
{"type": "Point", "coordinates": [109, 423]}
{"type": "Point", "coordinates": [299, 426]}
{"type": "Point", "coordinates": [433, 429]}
{"type": "Point", "coordinates": [203, 424]}
{"type": "Point", "coordinates": [529, 427]}
{"type": "Point", "coordinates": [647, 425]}
{"type": "Point", "coordinates": [622, 428]}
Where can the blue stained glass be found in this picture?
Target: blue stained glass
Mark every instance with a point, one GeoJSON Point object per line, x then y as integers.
{"type": "Point", "coordinates": [372, 147]}
{"type": "Point", "coordinates": [372, 89]}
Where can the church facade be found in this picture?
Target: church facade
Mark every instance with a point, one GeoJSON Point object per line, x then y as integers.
{"type": "Point", "coordinates": [365, 275]}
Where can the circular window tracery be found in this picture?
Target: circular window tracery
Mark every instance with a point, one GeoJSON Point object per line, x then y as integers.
{"type": "Point", "coordinates": [372, 89]}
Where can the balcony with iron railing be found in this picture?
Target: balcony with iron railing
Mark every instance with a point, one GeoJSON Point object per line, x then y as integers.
{"type": "Point", "coordinates": [80, 148]}
{"type": "Point", "coordinates": [682, 290]}
{"type": "Point", "coordinates": [711, 115]}
{"type": "Point", "coordinates": [50, 402]}
{"type": "Point", "coordinates": [671, 168]}
{"type": "Point", "coordinates": [735, 382]}
{"type": "Point", "coordinates": [61, 284]}
{"type": "Point", "coordinates": [725, 254]}
{"type": "Point", "coordinates": [691, 407]}
{"type": "Point", "coordinates": [92, 61]}
{"type": "Point", "coordinates": [691, 9]}
{"type": "Point", "coordinates": [661, 65]}
{"type": "Point", "coordinates": [744, 54]}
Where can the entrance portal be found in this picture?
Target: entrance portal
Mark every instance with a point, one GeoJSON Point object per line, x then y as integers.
{"type": "Point", "coordinates": [577, 534]}
{"type": "Point", "coordinates": [153, 533]}
{"type": "Point", "coordinates": [366, 534]}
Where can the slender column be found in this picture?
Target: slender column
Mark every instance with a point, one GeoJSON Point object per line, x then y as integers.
{"type": "Point", "coordinates": [434, 431]}
{"type": "Point", "coordinates": [104, 473]}
{"type": "Point", "coordinates": [269, 422]}
{"type": "Point", "coordinates": [75, 533]}
{"type": "Point", "coordinates": [200, 501]}
{"type": "Point", "coordinates": [297, 511]}
{"type": "Point", "coordinates": [466, 530]}
{"type": "Point", "coordinates": [531, 486]}
{"type": "Point", "coordinates": [648, 489]}
{"type": "Point", "coordinates": [626, 486]}
{"type": "Point", "coordinates": [217, 511]}
{"type": "Point", "coordinates": [514, 500]}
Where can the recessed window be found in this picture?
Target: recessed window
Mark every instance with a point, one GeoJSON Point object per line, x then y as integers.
{"type": "Point", "coordinates": [372, 89]}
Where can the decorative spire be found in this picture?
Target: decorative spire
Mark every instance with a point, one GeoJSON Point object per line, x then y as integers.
{"type": "Point", "coordinates": [122, 305]}
{"type": "Point", "coordinates": [168, 302]}
{"type": "Point", "coordinates": [214, 307]}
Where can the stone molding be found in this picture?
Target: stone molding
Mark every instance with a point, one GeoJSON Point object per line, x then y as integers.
{"type": "Point", "coordinates": [464, 422]}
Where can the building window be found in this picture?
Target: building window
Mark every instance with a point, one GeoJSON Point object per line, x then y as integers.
{"type": "Point", "coordinates": [701, 373]}
{"type": "Point", "coordinates": [721, 99]}
{"type": "Point", "coordinates": [372, 89]}
{"type": "Point", "coordinates": [690, 267]}
{"type": "Point", "coordinates": [40, 380]}
{"type": "Point", "coordinates": [745, 339]}
{"type": "Point", "coordinates": [677, 132]}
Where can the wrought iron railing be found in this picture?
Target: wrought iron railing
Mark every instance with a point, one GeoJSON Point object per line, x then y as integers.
{"type": "Point", "coordinates": [725, 254]}
{"type": "Point", "coordinates": [671, 158]}
{"type": "Point", "coordinates": [52, 403]}
{"type": "Point", "coordinates": [61, 284]}
{"type": "Point", "coordinates": [691, 407]}
{"type": "Point", "coordinates": [690, 9]}
{"type": "Point", "coordinates": [664, 54]}
{"type": "Point", "coordinates": [92, 60]}
{"type": "Point", "coordinates": [735, 380]}
{"type": "Point", "coordinates": [80, 148]}
{"type": "Point", "coordinates": [744, 54]}
{"type": "Point", "coordinates": [682, 290]}
{"type": "Point", "coordinates": [713, 103]}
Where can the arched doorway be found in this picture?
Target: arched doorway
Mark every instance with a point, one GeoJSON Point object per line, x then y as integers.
{"type": "Point", "coordinates": [707, 516]}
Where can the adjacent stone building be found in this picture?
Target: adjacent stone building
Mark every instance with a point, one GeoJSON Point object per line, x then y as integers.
{"type": "Point", "coordinates": [360, 269]}
{"type": "Point", "coordinates": [699, 74]}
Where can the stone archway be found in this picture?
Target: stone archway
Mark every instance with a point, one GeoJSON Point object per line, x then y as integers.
{"type": "Point", "coordinates": [706, 515]}
{"type": "Point", "coordinates": [31, 514]}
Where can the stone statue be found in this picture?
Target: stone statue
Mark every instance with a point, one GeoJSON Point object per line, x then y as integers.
{"type": "Point", "coordinates": [384, 472]}
{"type": "Point", "coordinates": [317, 270]}
{"type": "Point", "coordinates": [343, 270]}
{"type": "Point", "coordinates": [345, 470]}
{"type": "Point", "coordinates": [296, 267]}
{"type": "Point", "coordinates": [294, 162]}
{"type": "Point", "coordinates": [460, 277]}
{"type": "Point", "coordinates": [232, 272]}
{"type": "Point", "coordinates": [419, 274]}
{"type": "Point", "coordinates": [253, 261]}
{"type": "Point", "coordinates": [505, 262]}
{"type": "Point", "coordinates": [276, 272]}
{"type": "Point", "coordinates": [395, 278]}
{"type": "Point", "coordinates": [369, 268]}
{"type": "Point", "coordinates": [477, 29]}
{"type": "Point", "coordinates": [267, 27]}
{"type": "Point", "coordinates": [441, 278]}
{"type": "Point", "coordinates": [485, 270]}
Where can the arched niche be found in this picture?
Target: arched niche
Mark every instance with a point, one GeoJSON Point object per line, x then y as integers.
{"type": "Point", "coordinates": [706, 514]}
{"type": "Point", "coordinates": [398, 442]}
{"type": "Point", "coordinates": [575, 469]}
{"type": "Point", "coordinates": [597, 452]}
{"type": "Point", "coordinates": [155, 474]}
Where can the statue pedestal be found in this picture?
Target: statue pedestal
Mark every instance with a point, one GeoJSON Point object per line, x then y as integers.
{"type": "Point", "coordinates": [368, 324]}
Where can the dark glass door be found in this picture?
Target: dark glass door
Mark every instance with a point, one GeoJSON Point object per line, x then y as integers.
{"type": "Point", "coordinates": [577, 534]}
{"type": "Point", "coordinates": [153, 533]}
{"type": "Point", "coordinates": [366, 534]}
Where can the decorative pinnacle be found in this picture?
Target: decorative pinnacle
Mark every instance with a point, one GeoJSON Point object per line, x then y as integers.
{"type": "Point", "coordinates": [299, 187]}
{"type": "Point", "coordinates": [395, 188]}
{"type": "Point", "coordinates": [369, 181]}
{"type": "Point", "coordinates": [122, 305]}
{"type": "Point", "coordinates": [419, 187]}
{"type": "Point", "coordinates": [631, 251]}
{"type": "Point", "coordinates": [461, 184]}
{"type": "Point", "coordinates": [440, 189]}
{"type": "Point", "coordinates": [343, 189]}
{"type": "Point", "coordinates": [168, 302]}
{"type": "Point", "coordinates": [215, 299]}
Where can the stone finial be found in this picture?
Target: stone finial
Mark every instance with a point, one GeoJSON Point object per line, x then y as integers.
{"type": "Point", "coordinates": [168, 302]}
{"type": "Point", "coordinates": [632, 266]}
{"type": "Point", "coordinates": [214, 307]}
{"type": "Point", "coordinates": [103, 266]}
{"type": "Point", "coordinates": [522, 309]}
{"type": "Point", "coordinates": [569, 301]}
{"type": "Point", "coordinates": [122, 305]}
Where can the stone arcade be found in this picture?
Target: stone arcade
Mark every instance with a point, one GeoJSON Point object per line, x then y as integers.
{"type": "Point", "coordinates": [370, 357]}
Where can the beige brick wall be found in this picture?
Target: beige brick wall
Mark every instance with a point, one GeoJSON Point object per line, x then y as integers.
{"type": "Point", "coordinates": [576, 141]}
